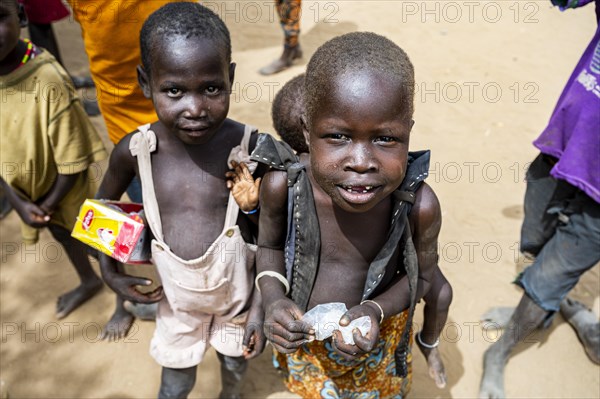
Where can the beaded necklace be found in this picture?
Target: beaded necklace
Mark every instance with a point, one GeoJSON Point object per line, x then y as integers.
{"type": "Point", "coordinates": [29, 54]}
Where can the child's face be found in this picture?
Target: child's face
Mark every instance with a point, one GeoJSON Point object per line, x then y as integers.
{"type": "Point", "coordinates": [358, 139]}
{"type": "Point", "coordinates": [189, 83]}
{"type": "Point", "coordinates": [10, 27]}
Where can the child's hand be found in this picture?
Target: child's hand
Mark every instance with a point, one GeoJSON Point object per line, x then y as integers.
{"type": "Point", "coordinates": [254, 337]}
{"type": "Point", "coordinates": [362, 344]}
{"type": "Point", "coordinates": [125, 286]}
{"type": "Point", "coordinates": [243, 186]}
{"type": "Point", "coordinates": [32, 214]}
{"type": "Point", "coordinates": [283, 326]}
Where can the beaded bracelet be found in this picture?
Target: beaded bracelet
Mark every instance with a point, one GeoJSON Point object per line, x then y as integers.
{"type": "Point", "coordinates": [252, 212]}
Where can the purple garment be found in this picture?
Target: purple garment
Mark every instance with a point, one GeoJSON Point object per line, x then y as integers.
{"type": "Point", "coordinates": [573, 133]}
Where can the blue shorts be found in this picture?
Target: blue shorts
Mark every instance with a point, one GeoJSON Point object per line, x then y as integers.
{"type": "Point", "coordinates": [564, 233]}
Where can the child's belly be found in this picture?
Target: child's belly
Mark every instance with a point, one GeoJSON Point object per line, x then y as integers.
{"type": "Point", "coordinates": [341, 281]}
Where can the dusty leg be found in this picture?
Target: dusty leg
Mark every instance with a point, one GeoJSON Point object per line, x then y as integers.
{"type": "Point", "coordinates": [90, 282]}
{"type": "Point", "coordinates": [585, 323]}
{"type": "Point", "coordinates": [233, 370]}
{"type": "Point", "coordinates": [437, 303]}
{"type": "Point", "coordinates": [528, 317]}
{"type": "Point", "coordinates": [497, 317]}
{"type": "Point", "coordinates": [177, 383]}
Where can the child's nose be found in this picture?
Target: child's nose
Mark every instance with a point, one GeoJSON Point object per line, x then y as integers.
{"type": "Point", "coordinates": [196, 107]}
{"type": "Point", "coordinates": [360, 159]}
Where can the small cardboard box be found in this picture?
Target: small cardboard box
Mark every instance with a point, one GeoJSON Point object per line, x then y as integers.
{"type": "Point", "coordinates": [114, 228]}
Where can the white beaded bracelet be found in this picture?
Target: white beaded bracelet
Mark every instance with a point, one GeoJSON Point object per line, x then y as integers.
{"type": "Point", "coordinates": [378, 306]}
{"type": "Point", "coordinates": [278, 276]}
{"type": "Point", "coordinates": [432, 346]}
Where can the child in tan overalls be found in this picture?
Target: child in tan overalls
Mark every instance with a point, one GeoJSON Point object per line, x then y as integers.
{"type": "Point", "coordinates": [199, 245]}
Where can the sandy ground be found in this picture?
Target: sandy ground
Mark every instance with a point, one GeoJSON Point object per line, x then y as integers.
{"type": "Point", "coordinates": [488, 76]}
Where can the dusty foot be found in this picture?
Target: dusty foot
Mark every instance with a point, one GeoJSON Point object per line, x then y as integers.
{"type": "Point", "coordinates": [492, 382]}
{"type": "Point", "coordinates": [585, 323]}
{"type": "Point", "coordinates": [118, 325]}
{"type": "Point", "coordinates": [71, 300]}
{"type": "Point", "coordinates": [436, 366]}
{"type": "Point", "coordinates": [141, 310]}
{"type": "Point", "coordinates": [284, 62]}
{"type": "Point", "coordinates": [496, 318]}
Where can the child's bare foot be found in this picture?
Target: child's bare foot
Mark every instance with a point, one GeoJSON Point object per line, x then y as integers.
{"type": "Point", "coordinates": [284, 62]}
{"type": "Point", "coordinates": [434, 361]}
{"type": "Point", "coordinates": [71, 300]}
{"type": "Point", "coordinates": [585, 323]}
{"type": "Point", "coordinates": [118, 325]}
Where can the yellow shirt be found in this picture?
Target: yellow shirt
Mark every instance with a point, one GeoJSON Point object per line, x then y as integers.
{"type": "Point", "coordinates": [44, 131]}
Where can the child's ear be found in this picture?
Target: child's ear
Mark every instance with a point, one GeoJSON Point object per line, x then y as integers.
{"type": "Point", "coordinates": [22, 16]}
{"type": "Point", "coordinates": [144, 81]}
{"type": "Point", "coordinates": [231, 73]}
{"type": "Point", "coordinates": [305, 131]}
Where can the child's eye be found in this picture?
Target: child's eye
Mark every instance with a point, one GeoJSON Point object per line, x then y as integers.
{"type": "Point", "coordinates": [386, 139]}
{"type": "Point", "coordinates": [212, 90]}
{"type": "Point", "coordinates": [173, 92]}
{"type": "Point", "coordinates": [337, 137]}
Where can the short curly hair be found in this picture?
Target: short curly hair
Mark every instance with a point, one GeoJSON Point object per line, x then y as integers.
{"type": "Point", "coordinates": [288, 107]}
{"type": "Point", "coordinates": [187, 19]}
{"type": "Point", "coordinates": [358, 51]}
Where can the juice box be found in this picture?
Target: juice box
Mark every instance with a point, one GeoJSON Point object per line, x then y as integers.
{"type": "Point", "coordinates": [114, 228]}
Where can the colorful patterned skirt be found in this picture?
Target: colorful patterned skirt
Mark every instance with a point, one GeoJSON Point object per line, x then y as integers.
{"type": "Point", "coordinates": [317, 371]}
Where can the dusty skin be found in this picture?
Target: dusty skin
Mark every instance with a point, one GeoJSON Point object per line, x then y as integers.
{"type": "Point", "coordinates": [487, 77]}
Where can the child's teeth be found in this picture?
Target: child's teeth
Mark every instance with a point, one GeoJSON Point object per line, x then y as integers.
{"type": "Point", "coordinates": [369, 187]}
{"type": "Point", "coordinates": [365, 191]}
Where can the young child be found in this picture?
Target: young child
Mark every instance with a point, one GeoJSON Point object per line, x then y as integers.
{"type": "Point", "coordinates": [339, 230]}
{"type": "Point", "coordinates": [48, 145]}
{"type": "Point", "coordinates": [287, 110]}
{"type": "Point", "coordinates": [200, 252]}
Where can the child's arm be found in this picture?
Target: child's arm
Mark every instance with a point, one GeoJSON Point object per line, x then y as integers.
{"type": "Point", "coordinates": [254, 336]}
{"type": "Point", "coordinates": [121, 171]}
{"type": "Point", "coordinates": [29, 212]}
{"type": "Point", "coordinates": [282, 316]}
{"type": "Point", "coordinates": [425, 219]}
{"type": "Point", "coordinates": [61, 187]}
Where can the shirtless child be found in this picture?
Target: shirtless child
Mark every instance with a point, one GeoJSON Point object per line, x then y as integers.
{"type": "Point", "coordinates": [287, 110]}
{"type": "Point", "coordinates": [181, 159]}
{"type": "Point", "coordinates": [349, 238]}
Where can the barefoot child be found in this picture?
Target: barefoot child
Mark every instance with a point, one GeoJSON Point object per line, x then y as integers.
{"type": "Point", "coordinates": [287, 110]}
{"type": "Point", "coordinates": [346, 236]}
{"type": "Point", "coordinates": [199, 245]}
{"type": "Point", "coordinates": [48, 145]}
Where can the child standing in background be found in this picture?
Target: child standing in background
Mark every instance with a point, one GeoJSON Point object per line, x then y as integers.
{"type": "Point", "coordinates": [48, 145]}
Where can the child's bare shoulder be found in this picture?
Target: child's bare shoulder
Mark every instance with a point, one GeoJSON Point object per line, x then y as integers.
{"type": "Point", "coordinates": [121, 155]}
{"type": "Point", "coordinates": [426, 214]}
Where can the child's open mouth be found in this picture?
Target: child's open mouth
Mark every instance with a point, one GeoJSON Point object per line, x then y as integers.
{"type": "Point", "coordinates": [358, 194]}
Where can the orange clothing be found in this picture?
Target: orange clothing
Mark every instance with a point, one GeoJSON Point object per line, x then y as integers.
{"type": "Point", "coordinates": [111, 35]}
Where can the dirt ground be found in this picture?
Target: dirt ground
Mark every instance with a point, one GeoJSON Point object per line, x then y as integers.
{"type": "Point", "coordinates": [488, 76]}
